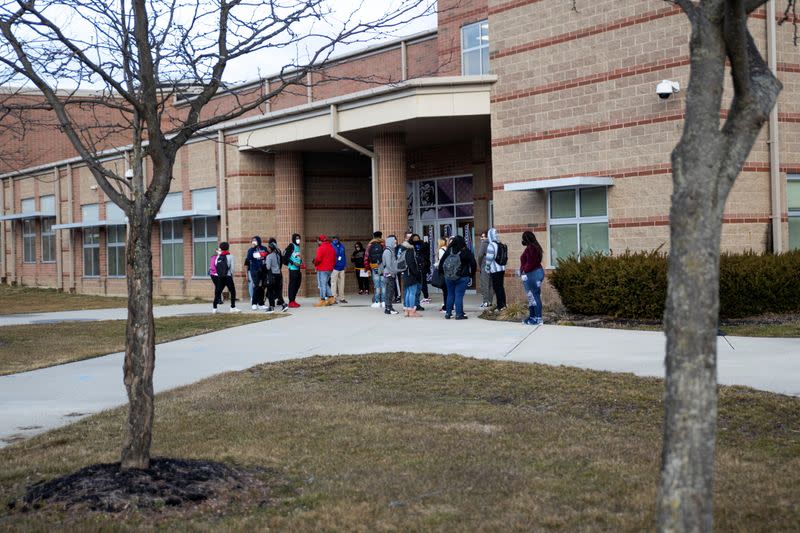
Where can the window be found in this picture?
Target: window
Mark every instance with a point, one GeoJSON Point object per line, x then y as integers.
{"type": "Point", "coordinates": [116, 250]}
{"type": "Point", "coordinates": [205, 242]}
{"type": "Point", "coordinates": [91, 252]}
{"type": "Point", "coordinates": [47, 205]}
{"type": "Point", "coordinates": [28, 205]}
{"type": "Point", "coordinates": [578, 220]}
{"type": "Point", "coordinates": [793, 197]}
{"type": "Point", "coordinates": [48, 240]}
{"type": "Point", "coordinates": [173, 203]}
{"type": "Point", "coordinates": [114, 214]}
{"type": "Point", "coordinates": [475, 49]}
{"type": "Point", "coordinates": [90, 212]}
{"type": "Point", "coordinates": [172, 248]}
{"type": "Point", "coordinates": [204, 199]}
{"type": "Point", "coordinates": [29, 240]}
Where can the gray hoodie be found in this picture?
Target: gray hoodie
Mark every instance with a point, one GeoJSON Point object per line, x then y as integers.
{"type": "Point", "coordinates": [389, 259]}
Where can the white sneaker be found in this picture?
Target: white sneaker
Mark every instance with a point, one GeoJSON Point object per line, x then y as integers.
{"type": "Point", "coordinates": [375, 305]}
{"type": "Point", "coordinates": [253, 307]}
{"type": "Point", "coordinates": [270, 310]}
{"type": "Point", "coordinates": [213, 310]}
{"type": "Point", "coordinates": [235, 310]}
{"type": "Point", "coordinates": [285, 307]}
{"type": "Point", "coordinates": [262, 307]}
{"type": "Point", "coordinates": [383, 304]}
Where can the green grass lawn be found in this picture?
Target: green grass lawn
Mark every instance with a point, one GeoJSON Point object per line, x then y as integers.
{"type": "Point", "coordinates": [20, 299]}
{"type": "Point", "coordinates": [399, 442]}
{"type": "Point", "coordinates": [32, 346]}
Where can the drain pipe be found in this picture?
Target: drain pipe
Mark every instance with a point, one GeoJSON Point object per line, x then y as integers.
{"type": "Point", "coordinates": [774, 141]}
{"type": "Point", "coordinates": [360, 149]}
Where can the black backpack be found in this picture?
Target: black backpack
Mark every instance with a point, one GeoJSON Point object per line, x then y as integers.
{"type": "Point", "coordinates": [375, 253]}
{"type": "Point", "coordinates": [501, 255]}
{"type": "Point", "coordinates": [452, 266]}
{"type": "Point", "coordinates": [222, 265]}
{"type": "Point", "coordinates": [287, 254]}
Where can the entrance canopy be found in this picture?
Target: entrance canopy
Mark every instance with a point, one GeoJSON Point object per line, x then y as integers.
{"type": "Point", "coordinates": [555, 183]}
{"type": "Point", "coordinates": [429, 111]}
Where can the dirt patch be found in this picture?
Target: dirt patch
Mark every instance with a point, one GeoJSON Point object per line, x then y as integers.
{"type": "Point", "coordinates": [167, 483]}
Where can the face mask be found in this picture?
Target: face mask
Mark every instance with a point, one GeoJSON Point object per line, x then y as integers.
{"type": "Point", "coordinates": [297, 241]}
{"type": "Point", "coordinates": [255, 243]}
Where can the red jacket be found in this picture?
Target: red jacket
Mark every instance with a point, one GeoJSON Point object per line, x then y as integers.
{"type": "Point", "coordinates": [325, 259]}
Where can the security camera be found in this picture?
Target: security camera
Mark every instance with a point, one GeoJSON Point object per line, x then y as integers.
{"type": "Point", "coordinates": [129, 174]}
{"type": "Point", "coordinates": [665, 88]}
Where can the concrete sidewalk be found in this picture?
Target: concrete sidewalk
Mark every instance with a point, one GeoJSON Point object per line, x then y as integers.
{"type": "Point", "coordinates": [33, 402]}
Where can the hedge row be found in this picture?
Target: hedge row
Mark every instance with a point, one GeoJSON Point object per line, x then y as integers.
{"type": "Point", "coordinates": [634, 285]}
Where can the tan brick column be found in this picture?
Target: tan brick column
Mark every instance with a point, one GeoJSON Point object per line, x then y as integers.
{"type": "Point", "coordinates": [289, 206]}
{"type": "Point", "coordinates": [392, 215]}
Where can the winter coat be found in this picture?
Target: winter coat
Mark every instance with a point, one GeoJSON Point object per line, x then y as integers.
{"type": "Point", "coordinates": [412, 273]}
{"type": "Point", "coordinates": [256, 257]}
{"type": "Point", "coordinates": [295, 257]}
{"type": "Point", "coordinates": [274, 262]}
{"type": "Point", "coordinates": [341, 258]}
{"type": "Point", "coordinates": [490, 264]}
{"type": "Point", "coordinates": [213, 268]}
{"type": "Point", "coordinates": [468, 264]}
{"type": "Point", "coordinates": [325, 259]}
{"type": "Point", "coordinates": [530, 260]}
{"type": "Point", "coordinates": [389, 259]}
{"type": "Point", "coordinates": [358, 259]}
{"type": "Point", "coordinates": [367, 264]}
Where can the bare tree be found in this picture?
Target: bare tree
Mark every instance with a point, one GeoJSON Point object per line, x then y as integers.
{"type": "Point", "coordinates": [139, 54]}
{"type": "Point", "coordinates": [705, 164]}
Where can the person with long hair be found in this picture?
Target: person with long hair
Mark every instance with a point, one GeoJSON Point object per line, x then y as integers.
{"type": "Point", "coordinates": [362, 275]}
{"type": "Point", "coordinates": [532, 275]}
{"type": "Point", "coordinates": [457, 266]}
{"type": "Point", "coordinates": [442, 248]}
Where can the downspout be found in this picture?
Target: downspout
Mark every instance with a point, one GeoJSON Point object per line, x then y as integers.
{"type": "Point", "coordinates": [3, 258]}
{"type": "Point", "coordinates": [13, 225]}
{"type": "Point", "coordinates": [59, 237]}
{"type": "Point", "coordinates": [360, 149]}
{"type": "Point", "coordinates": [71, 239]}
{"type": "Point", "coordinates": [774, 140]}
{"type": "Point", "coordinates": [403, 61]}
{"type": "Point", "coordinates": [223, 189]}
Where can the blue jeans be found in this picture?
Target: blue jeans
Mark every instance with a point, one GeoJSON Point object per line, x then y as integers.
{"type": "Point", "coordinates": [533, 289]}
{"type": "Point", "coordinates": [377, 282]}
{"type": "Point", "coordinates": [410, 296]}
{"type": "Point", "coordinates": [455, 295]}
{"type": "Point", "coordinates": [323, 278]}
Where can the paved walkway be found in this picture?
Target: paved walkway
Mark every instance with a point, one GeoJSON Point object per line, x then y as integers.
{"type": "Point", "coordinates": [33, 402]}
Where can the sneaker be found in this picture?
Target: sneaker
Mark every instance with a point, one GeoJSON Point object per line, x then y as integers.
{"type": "Point", "coordinates": [213, 310]}
{"type": "Point", "coordinates": [484, 305]}
{"type": "Point", "coordinates": [420, 308]}
{"type": "Point", "coordinates": [342, 301]}
{"type": "Point", "coordinates": [447, 316]}
{"type": "Point", "coordinates": [425, 301]}
{"type": "Point", "coordinates": [397, 300]}
{"type": "Point", "coordinates": [253, 307]}
{"type": "Point", "coordinates": [294, 305]}
{"type": "Point", "coordinates": [499, 309]}
{"type": "Point", "coordinates": [270, 310]}
{"type": "Point", "coordinates": [235, 310]}
{"type": "Point", "coordinates": [533, 322]}
{"type": "Point", "coordinates": [462, 317]}
{"type": "Point", "coordinates": [375, 305]}
{"type": "Point", "coordinates": [284, 307]}
{"type": "Point", "coordinates": [383, 304]}
{"type": "Point", "coordinates": [390, 312]}
{"type": "Point", "coordinates": [262, 307]}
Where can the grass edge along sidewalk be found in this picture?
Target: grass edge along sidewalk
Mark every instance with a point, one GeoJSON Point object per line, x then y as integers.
{"type": "Point", "coordinates": [31, 346]}
{"type": "Point", "coordinates": [425, 442]}
{"type": "Point", "coordinates": [20, 299]}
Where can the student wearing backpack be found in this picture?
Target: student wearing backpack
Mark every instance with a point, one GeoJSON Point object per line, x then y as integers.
{"type": "Point", "coordinates": [422, 251]}
{"type": "Point", "coordinates": [412, 277]}
{"type": "Point", "coordinates": [532, 275]}
{"type": "Point", "coordinates": [495, 266]}
{"type": "Point", "coordinates": [293, 260]}
{"type": "Point", "coordinates": [390, 271]}
{"type": "Point", "coordinates": [457, 266]}
{"type": "Point", "coordinates": [274, 277]}
{"type": "Point", "coordinates": [255, 264]}
{"type": "Point", "coordinates": [442, 248]}
{"type": "Point", "coordinates": [372, 261]}
{"type": "Point", "coordinates": [485, 278]}
{"type": "Point", "coordinates": [337, 276]}
{"type": "Point", "coordinates": [222, 273]}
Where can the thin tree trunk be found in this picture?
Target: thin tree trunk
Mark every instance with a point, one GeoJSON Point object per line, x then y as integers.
{"type": "Point", "coordinates": [685, 500]}
{"type": "Point", "coordinates": [140, 351]}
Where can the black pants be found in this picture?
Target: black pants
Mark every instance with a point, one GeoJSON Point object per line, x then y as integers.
{"type": "Point", "coordinates": [275, 291]}
{"type": "Point", "coordinates": [425, 286]}
{"type": "Point", "coordinates": [220, 284]}
{"type": "Point", "coordinates": [363, 283]}
{"type": "Point", "coordinates": [295, 278]}
{"type": "Point", "coordinates": [499, 290]}
{"type": "Point", "coordinates": [258, 288]}
{"type": "Point", "coordinates": [389, 292]}
{"type": "Point", "coordinates": [444, 295]}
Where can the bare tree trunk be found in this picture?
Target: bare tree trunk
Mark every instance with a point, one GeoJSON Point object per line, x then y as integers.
{"type": "Point", "coordinates": [140, 351]}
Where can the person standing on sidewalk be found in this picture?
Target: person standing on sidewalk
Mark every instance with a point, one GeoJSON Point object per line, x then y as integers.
{"type": "Point", "coordinates": [389, 265]}
{"type": "Point", "coordinates": [294, 262]}
{"type": "Point", "coordinates": [337, 276]}
{"type": "Point", "coordinates": [532, 275]}
{"type": "Point", "coordinates": [422, 251]}
{"type": "Point", "coordinates": [362, 274]}
{"type": "Point", "coordinates": [495, 270]}
{"type": "Point", "coordinates": [274, 277]}
{"type": "Point", "coordinates": [411, 279]}
{"type": "Point", "coordinates": [255, 263]}
{"type": "Point", "coordinates": [457, 266]}
{"type": "Point", "coordinates": [223, 274]}
{"type": "Point", "coordinates": [324, 262]}
{"type": "Point", "coordinates": [485, 277]}
{"type": "Point", "coordinates": [372, 260]}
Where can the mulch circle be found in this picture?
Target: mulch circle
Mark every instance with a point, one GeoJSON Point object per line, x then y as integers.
{"type": "Point", "coordinates": [167, 483]}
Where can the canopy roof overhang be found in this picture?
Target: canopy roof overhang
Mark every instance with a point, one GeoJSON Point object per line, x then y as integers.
{"type": "Point", "coordinates": [556, 183]}
{"type": "Point", "coordinates": [430, 111]}
{"type": "Point", "coordinates": [32, 214]}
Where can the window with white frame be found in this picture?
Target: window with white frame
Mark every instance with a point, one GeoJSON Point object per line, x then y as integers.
{"type": "Point", "coordinates": [578, 222]}
{"type": "Point", "coordinates": [28, 205]}
{"type": "Point", "coordinates": [48, 240]}
{"type": "Point", "coordinates": [204, 199]}
{"type": "Point", "coordinates": [475, 48]}
{"type": "Point", "coordinates": [172, 248]}
{"type": "Point", "coordinates": [91, 252]}
{"type": "Point", "coordinates": [115, 243]}
{"type": "Point", "coordinates": [114, 214]}
{"type": "Point", "coordinates": [793, 203]}
{"type": "Point", "coordinates": [204, 233]}
{"type": "Point", "coordinates": [29, 240]}
{"type": "Point", "coordinates": [172, 203]}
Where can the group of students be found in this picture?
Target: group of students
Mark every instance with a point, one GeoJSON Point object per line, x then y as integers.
{"type": "Point", "coordinates": [400, 272]}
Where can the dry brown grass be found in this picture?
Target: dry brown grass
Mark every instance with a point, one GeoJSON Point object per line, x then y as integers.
{"type": "Point", "coordinates": [21, 299]}
{"type": "Point", "coordinates": [420, 442]}
{"type": "Point", "coordinates": [33, 346]}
